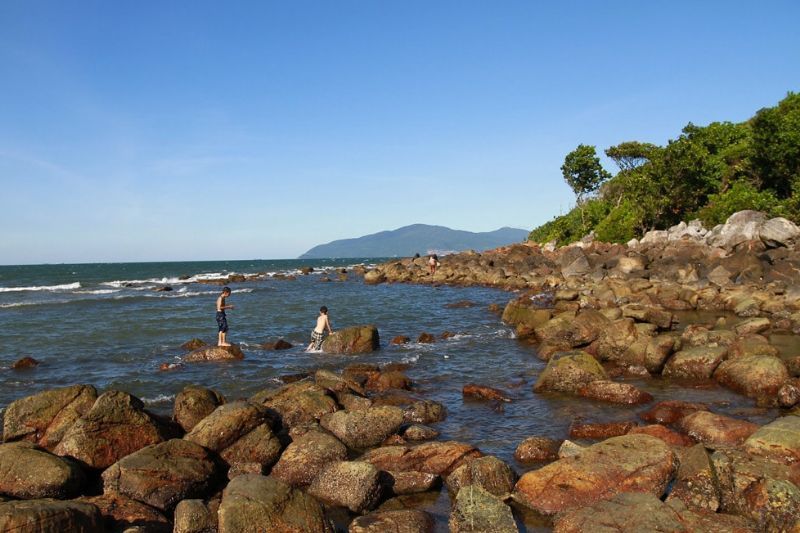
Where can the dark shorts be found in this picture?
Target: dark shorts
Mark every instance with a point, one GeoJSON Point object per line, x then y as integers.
{"type": "Point", "coordinates": [316, 340]}
{"type": "Point", "coordinates": [222, 322]}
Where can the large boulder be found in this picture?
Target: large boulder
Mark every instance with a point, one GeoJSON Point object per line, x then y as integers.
{"type": "Point", "coordinates": [695, 363]}
{"type": "Point", "coordinates": [49, 516]}
{"type": "Point", "coordinates": [400, 521]}
{"type": "Point", "coordinates": [120, 513]}
{"type": "Point", "coordinates": [778, 232]}
{"type": "Point", "coordinates": [424, 412]}
{"type": "Point", "coordinates": [43, 418]}
{"type": "Point", "coordinates": [477, 510]}
{"type": "Point", "coordinates": [740, 227]}
{"type": "Point", "coordinates": [306, 455]}
{"type": "Point", "coordinates": [573, 331]}
{"type": "Point", "coordinates": [364, 428]}
{"type": "Point", "coordinates": [30, 472]}
{"type": "Point", "coordinates": [696, 482]}
{"type": "Point", "coordinates": [630, 463]}
{"type": "Point", "coordinates": [489, 473]}
{"type": "Point", "coordinates": [715, 430]}
{"type": "Point", "coordinates": [117, 425]}
{"type": "Point", "coordinates": [568, 372]}
{"type": "Point", "coordinates": [255, 450]}
{"type": "Point", "coordinates": [525, 318]}
{"type": "Point", "coordinates": [780, 440]}
{"type": "Point", "coordinates": [227, 424]}
{"type": "Point", "coordinates": [298, 403]}
{"type": "Point", "coordinates": [352, 340]}
{"type": "Point", "coordinates": [215, 353]}
{"type": "Point", "coordinates": [352, 484]}
{"type": "Point", "coordinates": [193, 404]}
{"type": "Point", "coordinates": [439, 458]}
{"type": "Point", "coordinates": [253, 503]}
{"type": "Point", "coordinates": [755, 376]}
{"type": "Point", "coordinates": [163, 474]}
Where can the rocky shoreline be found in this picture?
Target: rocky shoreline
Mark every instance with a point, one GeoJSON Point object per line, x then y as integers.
{"type": "Point", "coordinates": [351, 451]}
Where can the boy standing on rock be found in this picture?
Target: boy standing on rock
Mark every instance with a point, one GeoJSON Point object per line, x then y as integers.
{"type": "Point", "coordinates": [222, 319]}
{"type": "Point", "coordinates": [317, 335]}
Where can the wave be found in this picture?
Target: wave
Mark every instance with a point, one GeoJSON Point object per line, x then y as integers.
{"type": "Point", "coordinates": [26, 304]}
{"type": "Point", "coordinates": [131, 283]}
{"type": "Point", "coordinates": [51, 288]}
{"type": "Point", "coordinates": [161, 398]}
{"type": "Point", "coordinates": [98, 291]}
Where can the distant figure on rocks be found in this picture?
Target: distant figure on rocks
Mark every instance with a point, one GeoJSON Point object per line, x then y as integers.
{"type": "Point", "coordinates": [433, 262]}
{"type": "Point", "coordinates": [317, 336]}
{"type": "Point", "coordinates": [222, 319]}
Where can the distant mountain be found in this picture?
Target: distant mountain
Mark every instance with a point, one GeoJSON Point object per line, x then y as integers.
{"type": "Point", "coordinates": [417, 238]}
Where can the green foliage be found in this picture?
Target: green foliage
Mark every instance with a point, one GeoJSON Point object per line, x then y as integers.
{"type": "Point", "coordinates": [776, 145]}
{"type": "Point", "coordinates": [582, 170]}
{"type": "Point", "coordinates": [742, 195]}
{"type": "Point", "coordinates": [707, 171]}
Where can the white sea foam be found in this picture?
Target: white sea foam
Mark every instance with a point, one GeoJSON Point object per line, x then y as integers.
{"type": "Point", "coordinates": [26, 304]}
{"type": "Point", "coordinates": [98, 291]}
{"type": "Point", "coordinates": [51, 288]}
{"type": "Point", "coordinates": [410, 359]}
{"type": "Point", "coordinates": [161, 398]}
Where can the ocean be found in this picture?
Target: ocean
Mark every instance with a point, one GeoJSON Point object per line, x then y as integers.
{"type": "Point", "coordinates": [106, 325]}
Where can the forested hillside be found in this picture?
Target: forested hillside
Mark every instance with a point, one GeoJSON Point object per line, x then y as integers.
{"type": "Point", "coordinates": [708, 172]}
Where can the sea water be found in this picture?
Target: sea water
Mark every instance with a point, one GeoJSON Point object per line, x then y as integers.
{"type": "Point", "coordinates": [106, 325]}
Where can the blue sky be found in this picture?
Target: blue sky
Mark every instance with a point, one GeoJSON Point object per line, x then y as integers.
{"type": "Point", "coordinates": [201, 130]}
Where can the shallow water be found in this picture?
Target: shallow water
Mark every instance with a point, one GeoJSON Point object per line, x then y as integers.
{"type": "Point", "coordinates": [117, 340]}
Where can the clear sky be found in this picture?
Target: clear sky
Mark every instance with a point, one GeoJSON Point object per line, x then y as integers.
{"type": "Point", "coordinates": [152, 130]}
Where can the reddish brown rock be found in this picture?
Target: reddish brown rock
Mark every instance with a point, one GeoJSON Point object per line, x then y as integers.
{"type": "Point", "coordinates": [696, 483]}
{"type": "Point", "coordinates": [49, 516]}
{"type": "Point", "coordinates": [382, 381]}
{"type": "Point", "coordinates": [482, 392]}
{"type": "Point", "coordinates": [25, 363]}
{"type": "Point", "coordinates": [280, 344]}
{"type": "Point", "coordinates": [671, 411]}
{"type": "Point", "coordinates": [410, 482]}
{"type": "Point", "coordinates": [215, 353]}
{"type": "Point", "coordinates": [755, 376]}
{"type": "Point", "coordinates": [569, 372]}
{"type": "Point", "coordinates": [673, 438]}
{"type": "Point", "coordinates": [630, 463]}
{"type": "Point", "coordinates": [400, 339]}
{"type": "Point", "coordinates": [193, 404]}
{"type": "Point", "coordinates": [306, 455]}
{"type": "Point", "coordinates": [29, 472]}
{"type": "Point", "coordinates": [488, 472]}
{"type": "Point", "coordinates": [193, 344]}
{"type": "Point", "coordinates": [120, 513]}
{"type": "Point", "coordinates": [426, 338]}
{"type": "Point", "coordinates": [536, 450]}
{"type": "Point", "coordinates": [714, 430]}
{"type": "Point", "coordinates": [600, 431]}
{"type": "Point", "coordinates": [362, 429]}
{"type": "Point", "coordinates": [44, 418]}
{"type": "Point", "coordinates": [297, 403]}
{"type": "Point", "coordinates": [399, 521]}
{"type": "Point", "coordinates": [614, 392]}
{"type": "Point", "coordinates": [439, 458]}
{"type": "Point", "coordinates": [116, 426]}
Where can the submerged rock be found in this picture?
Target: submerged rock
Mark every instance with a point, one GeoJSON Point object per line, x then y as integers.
{"type": "Point", "coordinates": [439, 458]}
{"type": "Point", "coordinates": [483, 392]}
{"type": "Point", "coordinates": [630, 463]}
{"type": "Point", "coordinates": [611, 391]}
{"type": "Point", "coordinates": [25, 363]}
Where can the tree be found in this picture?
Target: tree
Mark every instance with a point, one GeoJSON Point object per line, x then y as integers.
{"type": "Point", "coordinates": [631, 154]}
{"type": "Point", "coordinates": [776, 145]}
{"type": "Point", "coordinates": [583, 172]}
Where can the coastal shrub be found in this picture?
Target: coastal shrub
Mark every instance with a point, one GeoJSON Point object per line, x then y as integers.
{"type": "Point", "coordinates": [740, 196]}
{"type": "Point", "coordinates": [621, 224]}
{"type": "Point", "coordinates": [572, 226]}
{"type": "Point", "coordinates": [776, 145]}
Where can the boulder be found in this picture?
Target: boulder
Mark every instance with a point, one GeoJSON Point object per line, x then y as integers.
{"type": "Point", "coordinates": [778, 232]}
{"type": "Point", "coordinates": [336, 383]}
{"type": "Point", "coordinates": [49, 516]}
{"type": "Point", "coordinates": [537, 450]}
{"type": "Point", "coordinates": [574, 331]}
{"type": "Point", "coordinates": [476, 510]}
{"type": "Point", "coordinates": [116, 425]}
{"type": "Point", "coordinates": [758, 488]}
{"type": "Point", "coordinates": [353, 340]}
{"type": "Point", "coordinates": [298, 403]}
{"type": "Point", "coordinates": [658, 350]}
{"type": "Point", "coordinates": [424, 412]}
{"type": "Point", "coordinates": [426, 338]}
{"type": "Point", "coordinates": [215, 353]}
{"type": "Point", "coordinates": [740, 227]}
{"type": "Point", "coordinates": [306, 455]}
{"type": "Point", "coordinates": [600, 431]}
{"type": "Point", "coordinates": [30, 472]}
{"type": "Point", "coordinates": [418, 432]}
{"type": "Point", "coordinates": [410, 482]}
{"type": "Point", "coordinates": [120, 513]}
{"type": "Point", "coordinates": [488, 472]}
{"type": "Point", "coordinates": [227, 424]}
{"type": "Point", "coordinates": [671, 411]}
{"type": "Point", "coordinates": [362, 429]}
{"type": "Point", "coordinates": [440, 458]}
{"type": "Point", "coordinates": [673, 438]}
{"type": "Point", "coordinates": [755, 376]}
{"type": "Point", "coordinates": [163, 474]}
{"type": "Point", "coordinates": [253, 503]}
{"type": "Point", "coordinates": [568, 372]}
{"type": "Point", "coordinates": [696, 482]}
{"type": "Point", "coordinates": [779, 440]}
{"type": "Point", "coordinates": [695, 363]}
{"type": "Point", "coordinates": [402, 521]}
{"type": "Point", "coordinates": [630, 463]}
{"type": "Point", "coordinates": [752, 325]}
{"type": "Point", "coordinates": [400, 339]}
{"type": "Point", "coordinates": [391, 379]}
{"type": "Point", "coordinates": [352, 484]}
{"type": "Point", "coordinates": [194, 516]}
{"type": "Point", "coordinates": [280, 344]}
{"type": "Point", "coordinates": [789, 393]}
{"type": "Point", "coordinates": [255, 450]}
{"type": "Point", "coordinates": [24, 363]}
{"type": "Point", "coordinates": [373, 277]}
{"type": "Point", "coordinates": [611, 391]}
{"type": "Point", "coordinates": [524, 317]}
{"type": "Point", "coordinates": [715, 430]}
{"type": "Point", "coordinates": [193, 404]}
{"type": "Point", "coordinates": [483, 392]}
{"type": "Point", "coordinates": [43, 418]}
